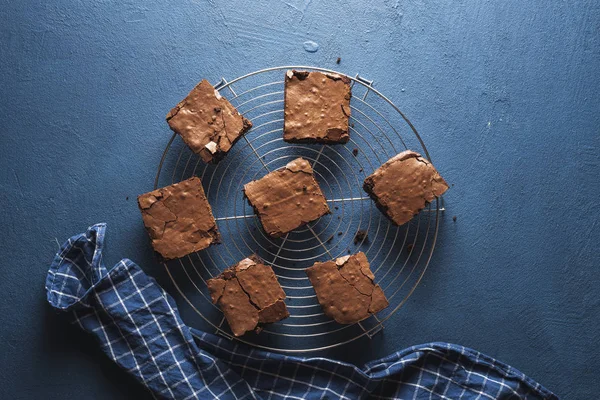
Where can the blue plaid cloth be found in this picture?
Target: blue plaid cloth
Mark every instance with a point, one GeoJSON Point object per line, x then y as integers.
{"type": "Point", "coordinates": [138, 326]}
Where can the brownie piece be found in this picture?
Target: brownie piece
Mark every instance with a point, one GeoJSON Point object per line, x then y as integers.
{"type": "Point", "coordinates": [345, 288]}
{"type": "Point", "coordinates": [207, 122]}
{"type": "Point", "coordinates": [404, 185]}
{"type": "Point", "coordinates": [179, 219]}
{"type": "Point", "coordinates": [287, 198]}
{"type": "Point", "coordinates": [249, 295]}
{"type": "Point", "coordinates": [316, 107]}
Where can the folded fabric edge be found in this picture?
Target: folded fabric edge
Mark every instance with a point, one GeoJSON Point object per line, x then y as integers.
{"type": "Point", "coordinates": [57, 281]}
{"type": "Point", "coordinates": [211, 343]}
{"type": "Point", "coordinates": [443, 349]}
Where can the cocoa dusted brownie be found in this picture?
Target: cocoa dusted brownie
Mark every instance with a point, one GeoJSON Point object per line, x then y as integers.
{"type": "Point", "coordinates": [207, 122]}
{"type": "Point", "coordinates": [345, 288]}
{"type": "Point", "coordinates": [287, 198]}
{"type": "Point", "coordinates": [249, 295]}
{"type": "Point", "coordinates": [404, 185]}
{"type": "Point", "coordinates": [179, 219]}
{"type": "Point", "coordinates": [316, 107]}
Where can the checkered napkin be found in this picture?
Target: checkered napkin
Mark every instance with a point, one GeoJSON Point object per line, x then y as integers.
{"type": "Point", "coordinates": [138, 326]}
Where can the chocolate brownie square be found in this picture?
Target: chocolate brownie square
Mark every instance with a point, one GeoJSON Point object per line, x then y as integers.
{"type": "Point", "coordinates": [287, 198]}
{"type": "Point", "coordinates": [179, 219]}
{"type": "Point", "coordinates": [316, 107]}
{"type": "Point", "coordinates": [249, 295]}
{"type": "Point", "coordinates": [207, 122]}
{"type": "Point", "coordinates": [345, 288]}
{"type": "Point", "coordinates": [404, 185]}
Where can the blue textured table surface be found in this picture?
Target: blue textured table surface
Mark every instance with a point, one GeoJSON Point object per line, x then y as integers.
{"type": "Point", "coordinates": [506, 95]}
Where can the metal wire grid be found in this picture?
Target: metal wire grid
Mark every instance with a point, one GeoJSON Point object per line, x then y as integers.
{"type": "Point", "coordinates": [399, 256]}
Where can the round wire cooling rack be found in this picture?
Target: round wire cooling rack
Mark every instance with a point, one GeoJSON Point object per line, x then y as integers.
{"type": "Point", "coordinates": [399, 256]}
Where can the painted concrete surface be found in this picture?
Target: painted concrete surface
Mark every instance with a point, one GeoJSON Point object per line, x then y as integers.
{"type": "Point", "coordinates": [505, 94]}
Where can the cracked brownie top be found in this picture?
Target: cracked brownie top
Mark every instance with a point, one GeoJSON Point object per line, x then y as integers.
{"type": "Point", "coordinates": [249, 295]}
{"type": "Point", "coordinates": [207, 122]}
{"type": "Point", "coordinates": [404, 185]}
{"type": "Point", "coordinates": [346, 289]}
{"type": "Point", "coordinates": [178, 219]}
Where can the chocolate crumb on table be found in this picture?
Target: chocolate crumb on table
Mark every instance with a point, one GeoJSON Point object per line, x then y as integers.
{"type": "Point", "coordinates": [355, 152]}
{"type": "Point", "coordinates": [454, 218]}
{"type": "Point", "coordinates": [207, 122]}
{"type": "Point", "coordinates": [287, 198]}
{"type": "Point", "coordinates": [404, 185]}
{"type": "Point", "coordinates": [346, 289]}
{"type": "Point", "coordinates": [361, 236]}
{"type": "Point", "coordinates": [316, 107]}
{"type": "Point", "coordinates": [249, 295]}
{"type": "Point", "coordinates": [409, 248]}
{"type": "Point", "coordinates": [179, 219]}
{"type": "Point", "coordinates": [339, 60]}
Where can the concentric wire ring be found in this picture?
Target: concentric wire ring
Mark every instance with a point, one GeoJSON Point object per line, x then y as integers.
{"type": "Point", "coordinates": [399, 256]}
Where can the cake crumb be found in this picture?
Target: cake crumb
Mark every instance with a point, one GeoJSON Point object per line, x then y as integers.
{"type": "Point", "coordinates": [355, 152]}
{"type": "Point", "coordinates": [361, 236]}
{"type": "Point", "coordinates": [339, 60]}
{"type": "Point", "coordinates": [454, 218]}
